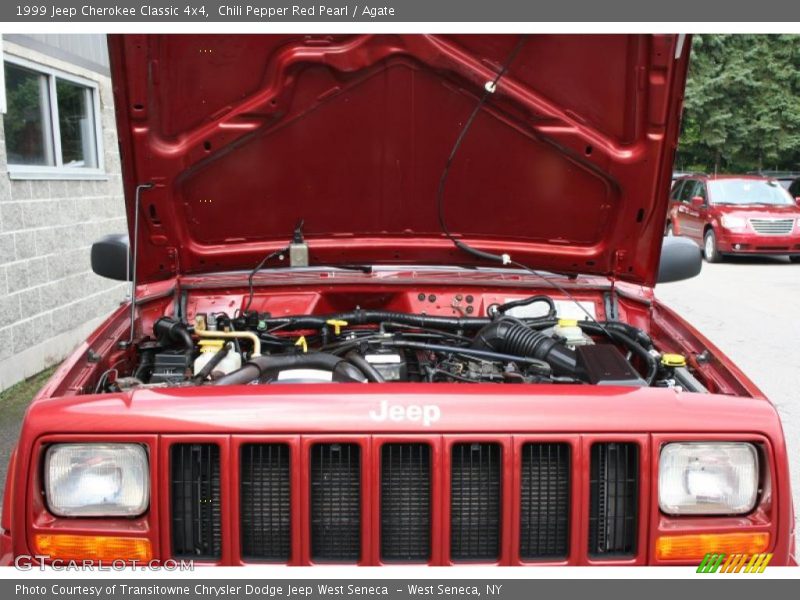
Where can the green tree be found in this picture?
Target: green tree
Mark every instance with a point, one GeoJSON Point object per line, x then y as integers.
{"type": "Point", "coordinates": [742, 105]}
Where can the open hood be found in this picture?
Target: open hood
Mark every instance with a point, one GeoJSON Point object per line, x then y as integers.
{"type": "Point", "coordinates": [567, 167]}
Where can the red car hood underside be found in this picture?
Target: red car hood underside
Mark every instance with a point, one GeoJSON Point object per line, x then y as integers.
{"type": "Point", "coordinates": [566, 168]}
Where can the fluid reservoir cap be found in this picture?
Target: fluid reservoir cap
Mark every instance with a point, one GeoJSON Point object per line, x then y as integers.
{"type": "Point", "coordinates": [567, 323]}
{"type": "Point", "coordinates": [211, 345]}
{"type": "Point", "coordinates": [673, 360]}
{"type": "Point", "coordinates": [337, 325]}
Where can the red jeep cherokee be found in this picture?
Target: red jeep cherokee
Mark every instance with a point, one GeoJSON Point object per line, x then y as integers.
{"type": "Point", "coordinates": [735, 214]}
{"type": "Point", "coordinates": [393, 303]}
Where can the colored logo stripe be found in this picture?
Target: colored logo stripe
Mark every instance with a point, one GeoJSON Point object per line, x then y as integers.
{"type": "Point", "coordinates": [734, 563]}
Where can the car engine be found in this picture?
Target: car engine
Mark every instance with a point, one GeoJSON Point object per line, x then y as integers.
{"type": "Point", "coordinates": [382, 346]}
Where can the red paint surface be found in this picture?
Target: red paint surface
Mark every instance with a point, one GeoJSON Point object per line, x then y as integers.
{"type": "Point", "coordinates": [566, 169]}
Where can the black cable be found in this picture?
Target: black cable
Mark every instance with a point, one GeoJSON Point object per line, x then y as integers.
{"type": "Point", "coordinates": [489, 89]}
{"type": "Point", "coordinates": [427, 330]}
{"type": "Point", "coordinates": [257, 268]}
{"type": "Point", "coordinates": [551, 305]}
{"type": "Point", "coordinates": [501, 258]}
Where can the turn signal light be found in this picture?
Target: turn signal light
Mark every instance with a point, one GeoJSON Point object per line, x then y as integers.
{"type": "Point", "coordinates": [695, 547]}
{"type": "Point", "coordinates": [93, 547]}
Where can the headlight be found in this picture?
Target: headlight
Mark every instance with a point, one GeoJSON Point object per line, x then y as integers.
{"type": "Point", "coordinates": [729, 222]}
{"type": "Point", "coordinates": [707, 478]}
{"type": "Point", "coordinates": [96, 480]}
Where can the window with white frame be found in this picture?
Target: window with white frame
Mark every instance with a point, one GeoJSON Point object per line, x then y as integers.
{"type": "Point", "coordinates": [52, 124]}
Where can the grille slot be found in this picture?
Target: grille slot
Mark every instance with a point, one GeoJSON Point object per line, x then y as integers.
{"type": "Point", "coordinates": [405, 502]}
{"type": "Point", "coordinates": [544, 501]}
{"type": "Point", "coordinates": [265, 502]}
{"type": "Point", "coordinates": [614, 499]}
{"type": "Point", "coordinates": [772, 226]}
{"type": "Point", "coordinates": [195, 486]}
{"type": "Point", "coordinates": [336, 502]}
{"type": "Point", "coordinates": [475, 501]}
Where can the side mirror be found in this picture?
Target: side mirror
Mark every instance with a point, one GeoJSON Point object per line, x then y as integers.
{"type": "Point", "coordinates": [680, 259]}
{"type": "Point", "coordinates": [797, 200]}
{"type": "Point", "coordinates": [697, 202]}
{"type": "Point", "coordinates": [110, 256]}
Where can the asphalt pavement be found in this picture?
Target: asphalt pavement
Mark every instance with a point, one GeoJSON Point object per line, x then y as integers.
{"type": "Point", "coordinates": [748, 307]}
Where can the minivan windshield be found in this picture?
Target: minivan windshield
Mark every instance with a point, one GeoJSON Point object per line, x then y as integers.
{"type": "Point", "coordinates": [748, 191]}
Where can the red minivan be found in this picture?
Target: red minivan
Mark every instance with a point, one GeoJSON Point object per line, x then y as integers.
{"type": "Point", "coordinates": [735, 214]}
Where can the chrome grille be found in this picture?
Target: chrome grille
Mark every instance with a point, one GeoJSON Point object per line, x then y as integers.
{"type": "Point", "coordinates": [772, 226]}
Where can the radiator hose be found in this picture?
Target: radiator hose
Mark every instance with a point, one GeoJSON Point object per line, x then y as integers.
{"type": "Point", "coordinates": [512, 337]}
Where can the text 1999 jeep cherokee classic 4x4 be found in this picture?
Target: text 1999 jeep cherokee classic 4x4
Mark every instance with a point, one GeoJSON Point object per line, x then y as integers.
{"type": "Point", "coordinates": [393, 303]}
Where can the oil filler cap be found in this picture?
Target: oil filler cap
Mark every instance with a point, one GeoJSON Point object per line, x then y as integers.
{"type": "Point", "coordinates": [673, 360]}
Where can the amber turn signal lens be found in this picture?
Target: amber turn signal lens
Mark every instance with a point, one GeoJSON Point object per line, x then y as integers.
{"type": "Point", "coordinates": [695, 547]}
{"type": "Point", "coordinates": [93, 547]}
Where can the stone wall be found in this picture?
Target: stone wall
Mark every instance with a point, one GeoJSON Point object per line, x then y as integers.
{"type": "Point", "coordinates": [49, 298]}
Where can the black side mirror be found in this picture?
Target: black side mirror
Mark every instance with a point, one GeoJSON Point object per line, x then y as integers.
{"type": "Point", "coordinates": [110, 256]}
{"type": "Point", "coordinates": [680, 259]}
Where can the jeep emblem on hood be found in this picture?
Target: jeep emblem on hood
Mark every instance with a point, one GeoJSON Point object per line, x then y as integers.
{"type": "Point", "coordinates": [427, 413]}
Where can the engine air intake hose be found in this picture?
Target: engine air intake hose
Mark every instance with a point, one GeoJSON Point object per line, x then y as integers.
{"type": "Point", "coordinates": [635, 340]}
{"type": "Point", "coordinates": [167, 328]}
{"type": "Point", "coordinates": [261, 366]}
{"type": "Point", "coordinates": [512, 337]}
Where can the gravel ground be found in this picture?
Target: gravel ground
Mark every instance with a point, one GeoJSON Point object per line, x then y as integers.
{"type": "Point", "coordinates": [749, 308]}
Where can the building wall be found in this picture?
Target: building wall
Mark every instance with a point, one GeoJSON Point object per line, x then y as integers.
{"type": "Point", "coordinates": [49, 298]}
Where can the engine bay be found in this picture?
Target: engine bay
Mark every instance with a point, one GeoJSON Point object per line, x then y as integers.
{"type": "Point", "coordinates": [425, 337]}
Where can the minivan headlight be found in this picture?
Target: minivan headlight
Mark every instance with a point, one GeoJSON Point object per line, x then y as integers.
{"type": "Point", "coordinates": [708, 478]}
{"type": "Point", "coordinates": [732, 222]}
{"type": "Point", "coordinates": [97, 480]}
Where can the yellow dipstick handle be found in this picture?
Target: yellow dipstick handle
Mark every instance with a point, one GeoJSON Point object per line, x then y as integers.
{"type": "Point", "coordinates": [337, 325]}
{"type": "Point", "coordinates": [301, 341]}
{"type": "Point", "coordinates": [229, 335]}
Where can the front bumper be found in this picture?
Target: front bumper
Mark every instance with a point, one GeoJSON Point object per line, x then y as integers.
{"type": "Point", "coordinates": [754, 243]}
{"type": "Point", "coordinates": [559, 476]}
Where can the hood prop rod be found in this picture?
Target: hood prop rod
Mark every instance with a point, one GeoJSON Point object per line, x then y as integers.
{"type": "Point", "coordinates": [135, 252]}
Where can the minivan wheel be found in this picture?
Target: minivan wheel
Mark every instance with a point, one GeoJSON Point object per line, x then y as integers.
{"type": "Point", "coordinates": [710, 247]}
